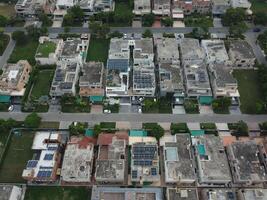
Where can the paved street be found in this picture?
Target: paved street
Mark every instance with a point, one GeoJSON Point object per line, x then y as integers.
{"type": "Point", "coordinates": [7, 53]}
{"type": "Point", "coordinates": [131, 117]}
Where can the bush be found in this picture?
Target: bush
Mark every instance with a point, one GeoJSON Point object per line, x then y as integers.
{"type": "Point", "coordinates": [240, 129]}
{"type": "Point", "coordinates": [191, 106]}
{"type": "Point", "coordinates": [32, 121]}
{"type": "Point", "coordinates": [221, 104]}
{"type": "Point", "coordinates": [147, 34]}
{"type": "Point", "coordinates": [167, 21]}
{"type": "Point", "coordinates": [154, 130]}
{"type": "Point", "coordinates": [19, 37]}
{"type": "Point", "coordinates": [77, 128]}
{"type": "Point", "coordinates": [179, 128]}
{"type": "Point", "coordinates": [148, 20]}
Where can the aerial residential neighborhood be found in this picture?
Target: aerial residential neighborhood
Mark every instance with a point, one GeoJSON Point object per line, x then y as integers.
{"type": "Point", "coordinates": [133, 100]}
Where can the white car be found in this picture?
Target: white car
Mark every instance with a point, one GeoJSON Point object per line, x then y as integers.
{"type": "Point", "coordinates": [107, 111]}
{"type": "Point", "coordinates": [10, 108]}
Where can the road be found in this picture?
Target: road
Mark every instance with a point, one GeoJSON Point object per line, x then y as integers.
{"type": "Point", "coordinates": [125, 29]}
{"type": "Point", "coordinates": [131, 117]}
{"type": "Point", "coordinates": [7, 53]}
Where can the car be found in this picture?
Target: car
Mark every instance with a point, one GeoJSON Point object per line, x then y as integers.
{"type": "Point", "coordinates": [107, 111]}
{"type": "Point", "coordinates": [256, 30]}
{"type": "Point", "coordinates": [11, 108]}
{"type": "Point", "coordinates": [139, 110]}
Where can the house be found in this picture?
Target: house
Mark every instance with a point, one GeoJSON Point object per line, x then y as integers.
{"type": "Point", "coordinates": [161, 7]}
{"type": "Point", "coordinates": [143, 50]}
{"type": "Point", "coordinates": [14, 78]}
{"type": "Point", "coordinates": [48, 51]}
{"type": "Point", "coordinates": [119, 193]}
{"type": "Point", "coordinates": [75, 49]}
{"type": "Point", "coordinates": [222, 81]}
{"type": "Point", "coordinates": [104, 5]}
{"type": "Point", "coordinates": [11, 192]}
{"type": "Point", "coordinates": [91, 82]}
{"type": "Point", "coordinates": [218, 193]}
{"type": "Point", "coordinates": [252, 194]}
{"type": "Point", "coordinates": [43, 168]}
{"type": "Point", "coordinates": [65, 78]}
{"type": "Point", "coordinates": [241, 54]}
{"type": "Point", "coordinates": [191, 52]}
{"type": "Point", "coordinates": [190, 6]}
{"type": "Point", "coordinates": [197, 83]}
{"type": "Point", "coordinates": [178, 159]}
{"type": "Point", "coordinates": [144, 162]}
{"type": "Point", "coordinates": [247, 162]}
{"type": "Point", "coordinates": [182, 194]}
{"type": "Point", "coordinates": [142, 7]}
{"type": "Point", "coordinates": [110, 164]}
{"type": "Point", "coordinates": [219, 7]}
{"type": "Point", "coordinates": [29, 8]}
{"type": "Point", "coordinates": [77, 162]}
{"type": "Point", "coordinates": [215, 51]}
{"type": "Point", "coordinates": [212, 163]}
{"type": "Point", "coordinates": [117, 76]}
{"type": "Point", "coordinates": [202, 6]}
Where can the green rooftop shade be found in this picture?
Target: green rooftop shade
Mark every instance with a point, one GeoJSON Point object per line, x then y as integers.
{"type": "Point", "coordinates": [89, 132]}
{"type": "Point", "coordinates": [138, 133]}
{"type": "Point", "coordinates": [201, 149]}
{"type": "Point", "coordinates": [4, 99]}
{"type": "Point", "coordinates": [197, 132]}
{"type": "Point", "coordinates": [96, 98]}
{"type": "Point", "coordinates": [206, 100]}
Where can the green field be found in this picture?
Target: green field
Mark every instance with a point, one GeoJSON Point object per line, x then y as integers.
{"type": "Point", "coordinates": [7, 10]}
{"type": "Point", "coordinates": [4, 42]}
{"type": "Point", "coordinates": [42, 84]}
{"type": "Point", "coordinates": [45, 49]}
{"type": "Point", "coordinates": [249, 89]}
{"type": "Point", "coordinates": [198, 21]}
{"type": "Point", "coordinates": [259, 5]}
{"type": "Point", "coordinates": [57, 193]}
{"type": "Point", "coordinates": [122, 8]}
{"type": "Point", "coordinates": [18, 153]}
{"type": "Point", "coordinates": [3, 140]}
{"type": "Point", "coordinates": [98, 50]}
{"type": "Point", "coordinates": [24, 52]}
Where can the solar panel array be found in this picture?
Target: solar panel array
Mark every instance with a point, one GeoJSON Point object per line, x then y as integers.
{"type": "Point", "coordinates": [143, 162]}
{"type": "Point", "coordinates": [52, 148]}
{"type": "Point", "coordinates": [143, 80]}
{"type": "Point", "coordinates": [143, 155]}
{"type": "Point", "coordinates": [134, 174]}
{"type": "Point", "coordinates": [153, 171]}
{"type": "Point", "coordinates": [44, 174]}
{"type": "Point", "coordinates": [48, 156]}
{"type": "Point", "coordinates": [41, 167]}
{"type": "Point", "coordinates": [32, 163]}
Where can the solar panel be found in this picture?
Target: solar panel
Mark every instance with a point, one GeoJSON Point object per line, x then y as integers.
{"type": "Point", "coordinates": [42, 167]}
{"type": "Point", "coordinates": [32, 163]}
{"type": "Point", "coordinates": [134, 174]}
{"type": "Point", "coordinates": [48, 156]}
{"type": "Point", "coordinates": [153, 171]}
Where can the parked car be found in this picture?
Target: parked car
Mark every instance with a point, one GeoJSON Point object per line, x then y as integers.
{"type": "Point", "coordinates": [10, 108]}
{"type": "Point", "coordinates": [256, 30]}
{"type": "Point", "coordinates": [107, 111]}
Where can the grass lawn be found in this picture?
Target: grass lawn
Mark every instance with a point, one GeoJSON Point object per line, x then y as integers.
{"type": "Point", "coordinates": [108, 125]}
{"type": "Point", "coordinates": [75, 105]}
{"type": "Point", "coordinates": [198, 21]}
{"type": "Point", "coordinates": [98, 50]}
{"type": "Point", "coordinates": [5, 38]}
{"type": "Point", "coordinates": [43, 83]}
{"type": "Point", "coordinates": [45, 49]}
{"type": "Point", "coordinates": [7, 10]}
{"type": "Point", "coordinates": [3, 140]}
{"type": "Point", "coordinates": [26, 51]}
{"type": "Point", "coordinates": [249, 89]}
{"type": "Point", "coordinates": [191, 106]}
{"type": "Point", "coordinates": [113, 108]}
{"type": "Point", "coordinates": [179, 128]}
{"type": "Point", "coordinates": [18, 153]}
{"type": "Point", "coordinates": [57, 193]}
{"type": "Point", "coordinates": [122, 8]}
{"type": "Point", "coordinates": [259, 5]}
{"type": "Point", "coordinates": [54, 125]}
{"type": "Point", "coordinates": [163, 105]}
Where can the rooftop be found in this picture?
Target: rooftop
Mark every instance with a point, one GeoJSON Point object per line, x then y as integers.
{"type": "Point", "coordinates": [179, 159]}
{"type": "Point", "coordinates": [143, 76]}
{"type": "Point", "coordinates": [253, 194]}
{"type": "Point", "coordinates": [222, 75]}
{"type": "Point", "coordinates": [215, 51]}
{"type": "Point", "coordinates": [211, 158]}
{"type": "Point", "coordinates": [242, 49]}
{"type": "Point", "coordinates": [182, 194]}
{"type": "Point", "coordinates": [219, 194]}
{"type": "Point", "coordinates": [247, 162]}
{"type": "Point", "coordinates": [77, 162]}
{"type": "Point", "coordinates": [167, 49]}
{"type": "Point", "coordinates": [111, 193]}
{"type": "Point", "coordinates": [143, 48]}
{"type": "Point", "coordinates": [92, 74]}
{"type": "Point", "coordinates": [10, 192]}
{"type": "Point", "coordinates": [119, 49]}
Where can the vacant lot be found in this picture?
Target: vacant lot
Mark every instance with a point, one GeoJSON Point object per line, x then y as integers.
{"type": "Point", "coordinates": [122, 8]}
{"type": "Point", "coordinates": [57, 193]}
{"type": "Point", "coordinates": [249, 89]}
{"type": "Point", "coordinates": [198, 21]}
{"type": "Point", "coordinates": [7, 10]}
{"type": "Point", "coordinates": [259, 5]}
{"type": "Point", "coordinates": [17, 155]}
{"type": "Point", "coordinates": [98, 50]}
{"type": "Point", "coordinates": [3, 140]}
{"type": "Point", "coordinates": [45, 49]}
{"type": "Point", "coordinates": [43, 83]}
{"type": "Point", "coordinates": [22, 52]}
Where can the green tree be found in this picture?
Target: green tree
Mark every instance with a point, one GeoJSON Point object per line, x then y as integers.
{"type": "Point", "coordinates": [3, 21]}
{"type": "Point", "coordinates": [233, 16]}
{"type": "Point", "coordinates": [116, 34]}
{"type": "Point", "coordinates": [221, 104]}
{"type": "Point", "coordinates": [46, 21]}
{"type": "Point", "coordinates": [77, 128]}
{"type": "Point", "coordinates": [242, 128]}
{"type": "Point", "coordinates": [260, 18]}
{"type": "Point", "coordinates": [97, 130]}
{"type": "Point", "coordinates": [148, 19]}
{"type": "Point", "coordinates": [19, 37]}
{"type": "Point", "coordinates": [147, 34]}
{"type": "Point", "coordinates": [264, 126]}
{"type": "Point", "coordinates": [33, 120]}
{"type": "Point", "coordinates": [99, 30]}
{"type": "Point", "coordinates": [157, 132]}
{"type": "Point", "coordinates": [168, 21]}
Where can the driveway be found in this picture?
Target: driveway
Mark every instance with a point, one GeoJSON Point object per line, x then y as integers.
{"type": "Point", "coordinates": [4, 58]}
{"type": "Point", "coordinates": [235, 110]}
{"type": "Point", "coordinates": [96, 109]}
{"type": "Point", "coordinates": [125, 109]}
{"type": "Point", "coordinates": [178, 110]}
{"type": "Point", "coordinates": [217, 22]}
{"type": "Point", "coordinates": [205, 109]}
